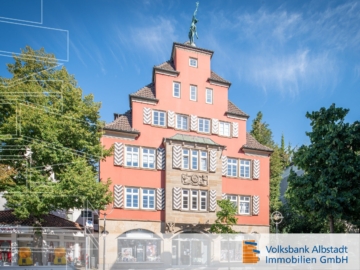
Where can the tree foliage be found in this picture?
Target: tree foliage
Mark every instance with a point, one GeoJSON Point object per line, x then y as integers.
{"type": "Point", "coordinates": [329, 189]}
{"type": "Point", "coordinates": [225, 218]}
{"type": "Point", "coordinates": [43, 110]}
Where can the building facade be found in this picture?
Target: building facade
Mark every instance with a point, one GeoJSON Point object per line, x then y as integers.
{"type": "Point", "coordinates": [181, 147]}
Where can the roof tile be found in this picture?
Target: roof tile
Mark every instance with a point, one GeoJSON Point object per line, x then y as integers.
{"type": "Point", "coordinates": [233, 109]}
{"type": "Point", "coordinates": [147, 91]}
{"type": "Point", "coordinates": [123, 122]}
{"type": "Point", "coordinates": [215, 77]}
{"type": "Point", "coordinates": [168, 65]}
{"type": "Point", "coordinates": [252, 143]}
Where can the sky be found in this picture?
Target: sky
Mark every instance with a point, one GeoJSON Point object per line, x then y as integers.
{"type": "Point", "coordinates": [283, 58]}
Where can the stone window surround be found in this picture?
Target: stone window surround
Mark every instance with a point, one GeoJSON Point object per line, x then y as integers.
{"type": "Point", "coordinates": [199, 159]}
{"type": "Point", "coordinates": [189, 196]}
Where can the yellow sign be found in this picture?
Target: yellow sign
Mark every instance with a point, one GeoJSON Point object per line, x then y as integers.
{"type": "Point", "coordinates": [250, 252]}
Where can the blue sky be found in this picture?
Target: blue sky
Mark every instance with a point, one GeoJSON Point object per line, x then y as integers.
{"type": "Point", "coordinates": [284, 58]}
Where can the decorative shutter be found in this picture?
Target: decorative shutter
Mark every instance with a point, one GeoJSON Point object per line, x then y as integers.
{"type": "Point", "coordinates": [212, 201]}
{"type": "Point", "coordinates": [256, 205]}
{"type": "Point", "coordinates": [235, 129]}
{"type": "Point", "coordinates": [256, 169]}
{"type": "Point", "coordinates": [176, 198]}
{"type": "Point", "coordinates": [177, 155]}
{"type": "Point", "coordinates": [160, 159]}
{"type": "Point", "coordinates": [171, 119]}
{"type": "Point", "coordinates": [160, 199]}
{"type": "Point", "coordinates": [223, 196]}
{"type": "Point", "coordinates": [119, 154]}
{"type": "Point", "coordinates": [147, 116]}
{"type": "Point", "coordinates": [118, 196]}
{"type": "Point", "coordinates": [224, 165]}
{"type": "Point", "coordinates": [194, 123]}
{"type": "Point", "coordinates": [213, 160]}
{"type": "Point", "coordinates": [215, 126]}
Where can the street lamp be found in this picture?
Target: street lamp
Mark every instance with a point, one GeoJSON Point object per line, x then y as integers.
{"type": "Point", "coordinates": [104, 233]}
{"type": "Point", "coordinates": [277, 218]}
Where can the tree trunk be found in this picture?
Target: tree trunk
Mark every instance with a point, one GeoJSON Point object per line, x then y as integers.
{"type": "Point", "coordinates": [331, 223]}
{"type": "Point", "coordinates": [38, 241]}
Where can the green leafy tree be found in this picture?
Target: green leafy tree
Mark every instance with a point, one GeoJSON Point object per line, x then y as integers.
{"type": "Point", "coordinates": [225, 218]}
{"type": "Point", "coordinates": [329, 189]}
{"type": "Point", "coordinates": [44, 117]}
{"type": "Point", "coordinates": [260, 131]}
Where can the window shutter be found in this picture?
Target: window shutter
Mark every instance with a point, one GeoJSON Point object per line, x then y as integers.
{"type": "Point", "coordinates": [119, 154]}
{"type": "Point", "coordinates": [147, 116]}
{"type": "Point", "coordinates": [215, 126]}
{"type": "Point", "coordinates": [171, 119]}
{"type": "Point", "coordinates": [160, 199]}
{"type": "Point", "coordinates": [256, 169]}
{"type": "Point", "coordinates": [176, 198]}
{"type": "Point", "coordinates": [223, 196]}
{"type": "Point", "coordinates": [177, 155]}
{"type": "Point", "coordinates": [224, 165]}
{"type": "Point", "coordinates": [256, 205]}
{"type": "Point", "coordinates": [212, 201]}
{"type": "Point", "coordinates": [194, 123]}
{"type": "Point", "coordinates": [213, 160]}
{"type": "Point", "coordinates": [235, 129]}
{"type": "Point", "coordinates": [160, 159]}
{"type": "Point", "coordinates": [118, 196]}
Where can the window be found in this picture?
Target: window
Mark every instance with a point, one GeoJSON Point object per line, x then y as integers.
{"type": "Point", "coordinates": [132, 197]}
{"type": "Point", "coordinates": [203, 200]}
{"type": "Point", "coordinates": [194, 200]}
{"type": "Point", "coordinates": [176, 89]}
{"type": "Point", "coordinates": [233, 199]}
{"type": "Point", "coordinates": [148, 158]}
{"type": "Point", "coordinates": [185, 199]}
{"type": "Point", "coordinates": [181, 122]}
{"type": "Point", "coordinates": [194, 159]}
{"type": "Point", "coordinates": [232, 167]}
{"type": "Point", "coordinates": [185, 159]}
{"type": "Point", "coordinates": [203, 161]}
{"type": "Point", "coordinates": [193, 62]}
{"type": "Point", "coordinates": [132, 156]}
{"type": "Point", "coordinates": [204, 125]}
{"type": "Point", "coordinates": [245, 168]}
{"type": "Point", "coordinates": [148, 199]}
{"type": "Point", "coordinates": [193, 92]}
{"type": "Point", "coordinates": [244, 205]}
{"type": "Point", "coordinates": [209, 96]}
{"type": "Point", "coordinates": [159, 118]}
{"type": "Point", "coordinates": [224, 129]}
{"type": "Point", "coordinates": [85, 213]}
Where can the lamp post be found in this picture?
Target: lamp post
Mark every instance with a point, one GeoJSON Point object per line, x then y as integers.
{"type": "Point", "coordinates": [277, 218]}
{"type": "Point", "coordinates": [104, 233]}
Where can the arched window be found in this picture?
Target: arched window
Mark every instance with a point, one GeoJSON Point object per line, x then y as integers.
{"type": "Point", "coordinates": [139, 246]}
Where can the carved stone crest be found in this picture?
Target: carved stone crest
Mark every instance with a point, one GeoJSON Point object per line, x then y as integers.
{"type": "Point", "coordinates": [194, 180]}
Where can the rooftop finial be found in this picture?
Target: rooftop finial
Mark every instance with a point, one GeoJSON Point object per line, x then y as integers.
{"type": "Point", "coordinates": [192, 32]}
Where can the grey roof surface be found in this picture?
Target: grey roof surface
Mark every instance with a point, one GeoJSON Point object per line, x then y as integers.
{"type": "Point", "coordinates": [193, 139]}
{"type": "Point", "coordinates": [216, 77]}
{"type": "Point", "coordinates": [122, 123]}
{"type": "Point", "coordinates": [252, 143]}
{"type": "Point", "coordinates": [233, 109]}
{"type": "Point", "coordinates": [168, 65]}
{"type": "Point", "coordinates": [147, 91]}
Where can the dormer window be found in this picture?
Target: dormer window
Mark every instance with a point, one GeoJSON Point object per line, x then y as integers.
{"type": "Point", "coordinates": [193, 62]}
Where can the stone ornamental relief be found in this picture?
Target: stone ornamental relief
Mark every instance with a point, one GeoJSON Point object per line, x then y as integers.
{"type": "Point", "coordinates": [194, 180]}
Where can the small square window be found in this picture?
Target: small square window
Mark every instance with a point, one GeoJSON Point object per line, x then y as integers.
{"type": "Point", "coordinates": [193, 62]}
{"type": "Point", "coordinates": [176, 89]}
{"type": "Point", "coordinates": [209, 96]}
{"type": "Point", "coordinates": [159, 118]}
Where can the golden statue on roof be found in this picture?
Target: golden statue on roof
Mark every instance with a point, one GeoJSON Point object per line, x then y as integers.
{"type": "Point", "coordinates": [192, 32]}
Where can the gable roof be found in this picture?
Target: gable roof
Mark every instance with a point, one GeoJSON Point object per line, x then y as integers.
{"type": "Point", "coordinates": [7, 217]}
{"type": "Point", "coordinates": [234, 110]}
{"type": "Point", "coordinates": [252, 143]}
{"type": "Point", "coordinates": [168, 66]}
{"type": "Point", "coordinates": [122, 122]}
{"type": "Point", "coordinates": [147, 92]}
{"type": "Point", "coordinates": [187, 45]}
{"type": "Point", "coordinates": [216, 78]}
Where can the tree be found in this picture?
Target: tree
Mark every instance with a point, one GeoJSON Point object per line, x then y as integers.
{"type": "Point", "coordinates": [261, 132]}
{"type": "Point", "coordinates": [284, 153]}
{"type": "Point", "coordinates": [225, 218]}
{"type": "Point", "coordinates": [53, 135]}
{"type": "Point", "coordinates": [329, 189]}
{"type": "Point", "coordinates": [5, 176]}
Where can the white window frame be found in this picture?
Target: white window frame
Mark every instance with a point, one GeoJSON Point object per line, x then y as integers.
{"type": "Point", "coordinates": [187, 196]}
{"type": "Point", "coordinates": [181, 124]}
{"type": "Point", "coordinates": [131, 153]}
{"type": "Point", "coordinates": [203, 156]}
{"type": "Point", "coordinates": [148, 156]}
{"type": "Point", "coordinates": [233, 199]}
{"type": "Point", "coordinates": [222, 128]}
{"type": "Point", "coordinates": [244, 166]}
{"type": "Point", "coordinates": [196, 62]}
{"type": "Point", "coordinates": [193, 87]}
{"type": "Point", "coordinates": [203, 197]}
{"type": "Point", "coordinates": [193, 156]}
{"type": "Point", "coordinates": [159, 117]}
{"type": "Point", "coordinates": [234, 162]}
{"type": "Point", "coordinates": [174, 95]}
{"type": "Point", "coordinates": [196, 197]}
{"type": "Point", "coordinates": [202, 122]}
{"type": "Point", "coordinates": [185, 155]}
{"type": "Point", "coordinates": [207, 92]}
{"type": "Point", "coordinates": [242, 200]}
{"type": "Point", "coordinates": [132, 194]}
{"type": "Point", "coordinates": [145, 193]}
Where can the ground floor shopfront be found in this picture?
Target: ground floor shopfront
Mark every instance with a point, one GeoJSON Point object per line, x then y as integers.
{"type": "Point", "coordinates": [132, 244]}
